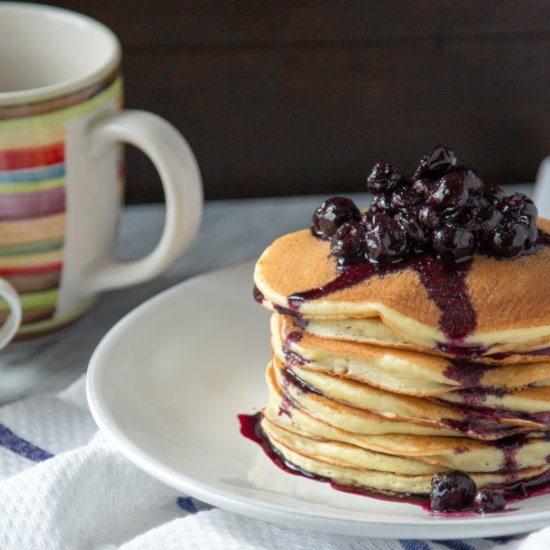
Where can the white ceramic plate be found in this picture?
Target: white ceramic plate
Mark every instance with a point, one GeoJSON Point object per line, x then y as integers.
{"type": "Point", "coordinates": [167, 384]}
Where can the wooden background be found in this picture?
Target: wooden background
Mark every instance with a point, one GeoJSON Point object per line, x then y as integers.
{"type": "Point", "coordinates": [302, 97]}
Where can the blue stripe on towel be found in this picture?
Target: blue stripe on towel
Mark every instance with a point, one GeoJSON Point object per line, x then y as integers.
{"type": "Point", "coordinates": [21, 446]}
{"type": "Point", "coordinates": [187, 505]}
{"type": "Point", "coordinates": [409, 544]}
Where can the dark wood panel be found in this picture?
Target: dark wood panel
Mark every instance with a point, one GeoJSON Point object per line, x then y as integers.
{"type": "Point", "coordinates": [302, 97]}
{"type": "Point", "coordinates": [208, 23]}
{"type": "Point", "coordinates": [271, 122]}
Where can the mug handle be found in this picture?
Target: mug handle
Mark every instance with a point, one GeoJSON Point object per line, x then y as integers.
{"type": "Point", "coordinates": [9, 328]}
{"type": "Point", "coordinates": [181, 180]}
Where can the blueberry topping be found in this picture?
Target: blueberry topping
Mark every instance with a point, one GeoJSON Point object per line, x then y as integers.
{"type": "Point", "coordinates": [424, 187]}
{"type": "Point", "coordinates": [332, 214]}
{"type": "Point", "coordinates": [385, 241]}
{"type": "Point", "coordinates": [410, 225]}
{"type": "Point", "coordinates": [405, 198]}
{"type": "Point", "coordinates": [349, 241]}
{"type": "Point", "coordinates": [472, 183]}
{"type": "Point", "coordinates": [381, 203]}
{"type": "Point", "coordinates": [429, 217]}
{"type": "Point", "coordinates": [447, 211]}
{"type": "Point", "coordinates": [452, 492]}
{"type": "Point", "coordinates": [384, 178]}
{"type": "Point", "coordinates": [487, 501]}
{"type": "Point", "coordinates": [450, 192]}
{"type": "Point", "coordinates": [453, 243]}
{"type": "Point", "coordinates": [488, 218]}
{"type": "Point", "coordinates": [509, 239]}
{"type": "Point", "coordinates": [438, 161]}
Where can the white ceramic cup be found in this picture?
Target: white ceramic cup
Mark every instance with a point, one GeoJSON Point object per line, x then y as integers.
{"type": "Point", "coordinates": [61, 172]}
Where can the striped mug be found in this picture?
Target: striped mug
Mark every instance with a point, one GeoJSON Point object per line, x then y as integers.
{"type": "Point", "coordinates": [61, 126]}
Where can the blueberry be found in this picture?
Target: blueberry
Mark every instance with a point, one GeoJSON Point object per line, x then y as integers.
{"type": "Point", "coordinates": [429, 217]}
{"type": "Point", "coordinates": [493, 192]}
{"type": "Point", "coordinates": [488, 218]}
{"type": "Point", "coordinates": [450, 192]}
{"type": "Point", "coordinates": [472, 183]}
{"type": "Point", "coordinates": [410, 225]}
{"type": "Point", "coordinates": [384, 178]}
{"type": "Point", "coordinates": [405, 198]}
{"type": "Point", "coordinates": [385, 241]}
{"type": "Point", "coordinates": [529, 208]}
{"type": "Point", "coordinates": [332, 214]}
{"type": "Point", "coordinates": [423, 187]}
{"type": "Point", "coordinates": [513, 205]}
{"type": "Point", "coordinates": [349, 241]}
{"type": "Point", "coordinates": [509, 239]}
{"type": "Point", "coordinates": [453, 243]}
{"type": "Point", "coordinates": [452, 492]}
{"type": "Point", "coordinates": [438, 161]}
{"type": "Point", "coordinates": [381, 203]}
{"type": "Point", "coordinates": [530, 225]}
{"type": "Point", "coordinates": [487, 501]}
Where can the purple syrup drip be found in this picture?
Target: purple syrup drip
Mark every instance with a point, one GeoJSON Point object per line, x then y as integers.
{"type": "Point", "coordinates": [476, 397]}
{"type": "Point", "coordinates": [289, 377]}
{"type": "Point", "coordinates": [251, 429]}
{"type": "Point", "coordinates": [482, 428]}
{"type": "Point", "coordinates": [445, 284]}
{"type": "Point", "coordinates": [462, 351]}
{"type": "Point", "coordinates": [510, 447]}
{"type": "Point", "coordinates": [284, 409]}
{"type": "Point", "coordinates": [293, 357]}
{"type": "Point", "coordinates": [299, 322]}
{"type": "Point", "coordinates": [467, 373]}
{"type": "Point", "coordinates": [545, 352]}
{"type": "Point", "coordinates": [476, 413]}
{"type": "Point", "coordinates": [257, 294]}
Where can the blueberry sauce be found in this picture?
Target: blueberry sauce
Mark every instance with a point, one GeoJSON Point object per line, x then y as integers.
{"type": "Point", "coordinates": [467, 373]}
{"type": "Point", "coordinates": [445, 284]}
{"type": "Point", "coordinates": [479, 428]}
{"type": "Point", "coordinates": [478, 416]}
{"type": "Point", "coordinates": [543, 352]}
{"type": "Point", "coordinates": [289, 377]}
{"type": "Point", "coordinates": [293, 357]}
{"type": "Point", "coordinates": [476, 397]}
{"type": "Point", "coordinates": [463, 351]}
{"type": "Point", "coordinates": [510, 447]}
{"type": "Point", "coordinates": [299, 322]}
{"type": "Point", "coordinates": [258, 295]}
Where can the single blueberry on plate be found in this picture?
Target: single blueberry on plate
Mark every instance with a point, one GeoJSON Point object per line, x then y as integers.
{"type": "Point", "coordinates": [487, 501]}
{"type": "Point", "coordinates": [452, 492]}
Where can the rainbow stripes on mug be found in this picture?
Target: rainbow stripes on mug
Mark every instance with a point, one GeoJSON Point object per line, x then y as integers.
{"type": "Point", "coordinates": [34, 174]}
{"type": "Point", "coordinates": [32, 218]}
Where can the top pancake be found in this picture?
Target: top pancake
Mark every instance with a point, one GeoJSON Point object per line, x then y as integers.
{"type": "Point", "coordinates": [510, 297]}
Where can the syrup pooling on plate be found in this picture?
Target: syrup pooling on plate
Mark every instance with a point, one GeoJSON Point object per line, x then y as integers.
{"type": "Point", "coordinates": [369, 402]}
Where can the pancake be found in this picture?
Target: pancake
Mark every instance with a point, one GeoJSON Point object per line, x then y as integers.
{"type": "Point", "coordinates": [298, 263]}
{"type": "Point", "coordinates": [372, 330]}
{"type": "Point", "coordinates": [400, 353]}
{"type": "Point", "coordinates": [347, 474]}
{"type": "Point", "coordinates": [397, 370]}
{"type": "Point", "coordinates": [439, 453]}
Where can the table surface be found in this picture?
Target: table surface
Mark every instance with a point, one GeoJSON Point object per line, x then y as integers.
{"type": "Point", "coordinates": [231, 232]}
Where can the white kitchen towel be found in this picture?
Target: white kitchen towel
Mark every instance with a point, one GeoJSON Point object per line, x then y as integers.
{"type": "Point", "coordinates": [64, 486]}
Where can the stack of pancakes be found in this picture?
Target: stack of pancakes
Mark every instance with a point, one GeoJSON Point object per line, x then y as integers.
{"type": "Point", "coordinates": [367, 391]}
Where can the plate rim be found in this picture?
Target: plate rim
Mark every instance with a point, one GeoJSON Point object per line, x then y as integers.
{"type": "Point", "coordinates": [488, 526]}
